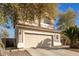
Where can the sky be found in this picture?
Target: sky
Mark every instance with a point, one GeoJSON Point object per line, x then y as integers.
{"type": "Point", "coordinates": [63, 8]}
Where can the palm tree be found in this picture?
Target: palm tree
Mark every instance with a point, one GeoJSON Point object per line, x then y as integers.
{"type": "Point", "coordinates": [71, 33]}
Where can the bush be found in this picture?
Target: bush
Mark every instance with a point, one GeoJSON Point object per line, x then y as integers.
{"type": "Point", "coordinates": [1, 45]}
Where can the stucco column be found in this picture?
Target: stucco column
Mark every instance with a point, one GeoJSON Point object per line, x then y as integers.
{"type": "Point", "coordinates": [52, 23]}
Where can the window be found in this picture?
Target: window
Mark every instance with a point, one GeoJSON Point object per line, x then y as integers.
{"type": "Point", "coordinates": [47, 20]}
{"type": "Point", "coordinates": [56, 36]}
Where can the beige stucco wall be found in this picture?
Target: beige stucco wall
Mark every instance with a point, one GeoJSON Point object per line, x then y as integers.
{"type": "Point", "coordinates": [42, 24]}
{"type": "Point", "coordinates": [34, 38]}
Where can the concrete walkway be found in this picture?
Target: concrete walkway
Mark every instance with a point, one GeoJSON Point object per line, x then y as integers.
{"type": "Point", "coordinates": [51, 52]}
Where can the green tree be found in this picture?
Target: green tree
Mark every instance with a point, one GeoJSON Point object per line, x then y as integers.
{"type": "Point", "coordinates": [50, 9]}
{"type": "Point", "coordinates": [27, 11]}
{"type": "Point", "coordinates": [5, 34]}
{"type": "Point", "coordinates": [3, 17]}
{"type": "Point", "coordinates": [66, 19]}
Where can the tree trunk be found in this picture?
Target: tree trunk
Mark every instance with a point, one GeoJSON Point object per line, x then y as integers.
{"type": "Point", "coordinates": [72, 44]}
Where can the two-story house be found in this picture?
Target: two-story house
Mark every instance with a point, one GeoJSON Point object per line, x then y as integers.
{"type": "Point", "coordinates": [30, 34]}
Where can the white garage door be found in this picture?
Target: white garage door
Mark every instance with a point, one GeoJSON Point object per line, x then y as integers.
{"type": "Point", "coordinates": [37, 40]}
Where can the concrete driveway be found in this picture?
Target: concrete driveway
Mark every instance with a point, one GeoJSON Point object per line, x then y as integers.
{"type": "Point", "coordinates": [51, 52]}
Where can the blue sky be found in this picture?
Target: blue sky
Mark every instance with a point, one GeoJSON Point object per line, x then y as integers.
{"type": "Point", "coordinates": [63, 8]}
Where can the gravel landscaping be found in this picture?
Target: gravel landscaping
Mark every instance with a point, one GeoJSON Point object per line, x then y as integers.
{"type": "Point", "coordinates": [14, 52]}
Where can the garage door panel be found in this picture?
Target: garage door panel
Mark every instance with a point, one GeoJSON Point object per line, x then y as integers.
{"type": "Point", "coordinates": [32, 40]}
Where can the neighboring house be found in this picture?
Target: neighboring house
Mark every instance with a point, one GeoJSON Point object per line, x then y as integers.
{"type": "Point", "coordinates": [30, 35]}
{"type": "Point", "coordinates": [8, 42]}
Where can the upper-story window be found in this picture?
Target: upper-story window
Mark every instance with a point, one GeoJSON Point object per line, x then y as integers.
{"type": "Point", "coordinates": [47, 20]}
{"type": "Point", "coordinates": [57, 37]}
